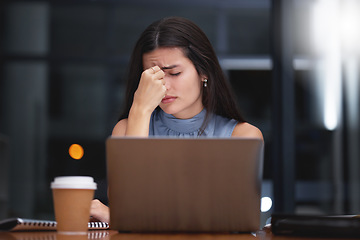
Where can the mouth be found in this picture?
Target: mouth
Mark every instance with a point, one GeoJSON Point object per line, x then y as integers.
{"type": "Point", "coordinates": [168, 99]}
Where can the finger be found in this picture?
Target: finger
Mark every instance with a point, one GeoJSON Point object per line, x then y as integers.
{"type": "Point", "coordinates": [162, 80]}
{"type": "Point", "coordinates": [159, 75]}
{"type": "Point", "coordinates": [156, 69]}
{"type": "Point", "coordinates": [93, 219]}
{"type": "Point", "coordinates": [164, 89]}
{"type": "Point", "coordinates": [151, 70]}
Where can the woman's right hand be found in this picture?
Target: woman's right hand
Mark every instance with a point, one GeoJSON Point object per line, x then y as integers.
{"type": "Point", "coordinates": [151, 90]}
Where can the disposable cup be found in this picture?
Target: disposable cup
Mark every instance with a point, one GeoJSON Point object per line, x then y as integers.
{"type": "Point", "coordinates": [72, 199]}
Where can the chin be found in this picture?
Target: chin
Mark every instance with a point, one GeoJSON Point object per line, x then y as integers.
{"type": "Point", "coordinates": [169, 110]}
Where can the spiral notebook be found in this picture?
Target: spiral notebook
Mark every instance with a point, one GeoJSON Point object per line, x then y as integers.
{"type": "Point", "coordinates": [54, 235]}
{"type": "Point", "coordinates": [22, 224]}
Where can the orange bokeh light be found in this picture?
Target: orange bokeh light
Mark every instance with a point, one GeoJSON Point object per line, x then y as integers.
{"type": "Point", "coordinates": [76, 151]}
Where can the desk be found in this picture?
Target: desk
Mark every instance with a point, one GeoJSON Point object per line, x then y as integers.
{"type": "Point", "coordinates": [264, 234]}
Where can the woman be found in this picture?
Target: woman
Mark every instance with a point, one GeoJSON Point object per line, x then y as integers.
{"type": "Point", "coordinates": [176, 87]}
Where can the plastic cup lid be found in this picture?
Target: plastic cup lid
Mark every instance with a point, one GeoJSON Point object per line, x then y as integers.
{"type": "Point", "coordinates": [74, 182]}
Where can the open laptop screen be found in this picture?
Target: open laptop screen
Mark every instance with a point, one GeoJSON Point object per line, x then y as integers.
{"type": "Point", "coordinates": [191, 185]}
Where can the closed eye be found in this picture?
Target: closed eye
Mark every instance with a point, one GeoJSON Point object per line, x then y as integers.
{"type": "Point", "coordinates": [175, 74]}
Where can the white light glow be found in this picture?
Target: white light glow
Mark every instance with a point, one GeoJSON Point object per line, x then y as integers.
{"type": "Point", "coordinates": [352, 92]}
{"type": "Point", "coordinates": [336, 37]}
{"type": "Point", "coordinates": [327, 43]}
{"type": "Point", "coordinates": [349, 25]}
{"type": "Point", "coordinates": [266, 204]}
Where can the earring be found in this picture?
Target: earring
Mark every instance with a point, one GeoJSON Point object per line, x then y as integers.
{"type": "Point", "coordinates": [205, 82]}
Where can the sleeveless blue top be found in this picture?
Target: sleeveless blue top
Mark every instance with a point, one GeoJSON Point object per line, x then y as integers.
{"type": "Point", "coordinates": [163, 124]}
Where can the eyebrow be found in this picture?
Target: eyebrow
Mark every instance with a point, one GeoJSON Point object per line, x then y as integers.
{"type": "Point", "coordinates": [169, 67]}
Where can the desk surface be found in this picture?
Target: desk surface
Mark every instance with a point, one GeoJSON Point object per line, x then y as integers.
{"type": "Point", "coordinates": [264, 234]}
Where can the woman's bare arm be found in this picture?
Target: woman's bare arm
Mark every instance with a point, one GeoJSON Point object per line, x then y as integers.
{"type": "Point", "coordinates": [147, 97]}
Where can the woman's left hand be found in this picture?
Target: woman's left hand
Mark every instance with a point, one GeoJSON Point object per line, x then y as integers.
{"type": "Point", "coordinates": [99, 211]}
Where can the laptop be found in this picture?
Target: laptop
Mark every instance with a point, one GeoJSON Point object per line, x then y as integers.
{"type": "Point", "coordinates": [184, 185]}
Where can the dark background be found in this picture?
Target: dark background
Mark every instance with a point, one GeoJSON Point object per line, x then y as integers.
{"type": "Point", "coordinates": [62, 70]}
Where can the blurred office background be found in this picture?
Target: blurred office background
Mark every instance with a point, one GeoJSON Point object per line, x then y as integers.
{"type": "Point", "coordinates": [293, 64]}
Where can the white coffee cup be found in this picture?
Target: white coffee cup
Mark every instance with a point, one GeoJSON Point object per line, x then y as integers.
{"type": "Point", "coordinates": [72, 197]}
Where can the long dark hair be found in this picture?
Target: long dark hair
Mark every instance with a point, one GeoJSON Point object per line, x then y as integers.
{"type": "Point", "coordinates": [182, 33]}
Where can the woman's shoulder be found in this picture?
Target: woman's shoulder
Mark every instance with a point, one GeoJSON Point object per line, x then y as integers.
{"type": "Point", "coordinates": [120, 128]}
{"type": "Point", "coordinates": [246, 130]}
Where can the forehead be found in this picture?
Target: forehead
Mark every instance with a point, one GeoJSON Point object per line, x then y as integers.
{"type": "Point", "coordinates": [165, 56]}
